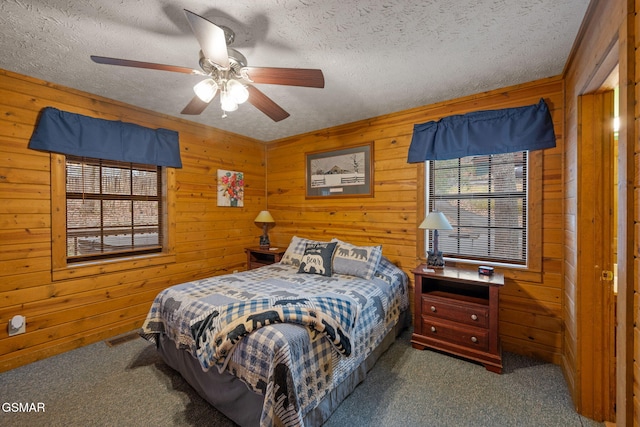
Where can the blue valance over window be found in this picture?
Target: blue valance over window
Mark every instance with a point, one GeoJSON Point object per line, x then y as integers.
{"type": "Point", "coordinates": [68, 133]}
{"type": "Point", "coordinates": [482, 133]}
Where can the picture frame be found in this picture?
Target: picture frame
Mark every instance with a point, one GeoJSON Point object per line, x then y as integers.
{"type": "Point", "coordinates": [230, 186]}
{"type": "Point", "coordinates": [345, 172]}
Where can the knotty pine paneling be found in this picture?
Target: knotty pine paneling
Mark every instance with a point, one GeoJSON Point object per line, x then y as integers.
{"type": "Point", "coordinates": [531, 310]}
{"type": "Point", "coordinates": [64, 314]}
{"type": "Point", "coordinates": [605, 40]}
{"type": "Point", "coordinates": [634, 168]}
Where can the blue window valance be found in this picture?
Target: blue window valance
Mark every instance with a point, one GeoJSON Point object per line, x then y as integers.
{"type": "Point", "coordinates": [482, 133]}
{"type": "Point", "coordinates": [68, 133]}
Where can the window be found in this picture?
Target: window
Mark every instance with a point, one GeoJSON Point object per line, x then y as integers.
{"type": "Point", "coordinates": [485, 200]}
{"type": "Point", "coordinates": [113, 209]}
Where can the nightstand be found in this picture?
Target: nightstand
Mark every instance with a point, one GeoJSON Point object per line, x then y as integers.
{"type": "Point", "coordinates": [456, 311]}
{"type": "Point", "coordinates": [259, 257]}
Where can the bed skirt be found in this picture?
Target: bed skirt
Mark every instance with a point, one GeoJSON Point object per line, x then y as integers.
{"type": "Point", "coordinates": [234, 399]}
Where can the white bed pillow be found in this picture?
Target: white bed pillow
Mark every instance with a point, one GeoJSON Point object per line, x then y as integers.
{"type": "Point", "coordinates": [295, 250]}
{"type": "Point", "coordinates": [360, 261]}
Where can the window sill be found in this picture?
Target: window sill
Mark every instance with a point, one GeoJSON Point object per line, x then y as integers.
{"type": "Point", "coordinates": [528, 273]}
{"type": "Point", "coordinates": [94, 268]}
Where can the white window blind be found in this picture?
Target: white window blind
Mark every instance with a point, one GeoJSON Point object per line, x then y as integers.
{"type": "Point", "coordinates": [113, 209]}
{"type": "Point", "coordinates": [485, 200]}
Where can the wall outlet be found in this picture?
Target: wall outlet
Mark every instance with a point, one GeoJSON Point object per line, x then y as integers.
{"type": "Point", "coordinates": [17, 325]}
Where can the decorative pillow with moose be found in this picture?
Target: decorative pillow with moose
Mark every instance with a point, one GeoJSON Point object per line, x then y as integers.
{"type": "Point", "coordinates": [317, 258]}
{"type": "Point", "coordinates": [360, 261]}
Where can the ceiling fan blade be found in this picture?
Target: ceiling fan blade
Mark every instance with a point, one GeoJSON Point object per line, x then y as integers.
{"type": "Point", "coordinates": [195, 106]}
{"type": "Point", "coordinates": [211, 38]}
{"type": "Point", "coordinates": [284, 76]}
{"type": "Point", "coordinates": [263, 103]}
{"type": "Point", "coordinates": [140, 64]}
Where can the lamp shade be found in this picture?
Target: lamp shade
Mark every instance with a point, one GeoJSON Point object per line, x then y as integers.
{"type": "Point", "coordinates": [206, 90]}
{"type": "Point", "coordinates": [227, 102]}
{"type": "Point", "coordinates": [264, 216]}
{"type": "Point", "coordinates": [237, 91]}
{"type": "Point", "coordinates": [436, 221]}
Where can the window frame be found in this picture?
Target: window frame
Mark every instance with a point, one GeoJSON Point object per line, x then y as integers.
{"type": "Point", "coordinates": [61, 269]}
{"type": "Point", "coordinates": [101, 196]}
{"type": "Point", "coordinates": [534, 223]}
{"type": "Point", "coordinates": [490, 195]}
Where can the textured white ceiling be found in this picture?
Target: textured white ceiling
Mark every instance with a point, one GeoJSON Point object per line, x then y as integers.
{"type": "Point", "coordinates": [378, 57]}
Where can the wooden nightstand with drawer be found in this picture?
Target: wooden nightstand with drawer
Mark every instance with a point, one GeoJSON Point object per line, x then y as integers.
{"type": "Point", "coordinates": [456, 311]}
{"type": "Point", "coordinates": [259, 257]}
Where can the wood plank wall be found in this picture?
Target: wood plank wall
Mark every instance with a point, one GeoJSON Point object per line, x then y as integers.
{"type": "Point", "coordinates": [66, 314]}
{"type": "Point", "coordinates": [607, 36]}
{"type": "Point", "coordinates": [632, 151]}
{"type": "Point", "coordinates": [530, 315]}
{"type": "Point", "coordinates": [591, 48]}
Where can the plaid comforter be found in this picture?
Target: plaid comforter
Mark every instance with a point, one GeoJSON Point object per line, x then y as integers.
{"type": "Point", "coordinates": [217, 333]}
{"type": "Point", "coordinates": [293, 366]}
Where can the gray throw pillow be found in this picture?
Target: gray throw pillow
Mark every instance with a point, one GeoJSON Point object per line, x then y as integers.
{"type": "Point", "coordinates": [360, 261]}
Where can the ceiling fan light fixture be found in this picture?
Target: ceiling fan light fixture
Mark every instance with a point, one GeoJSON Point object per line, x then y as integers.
{"type": "Point", "coordinates": [237, 91]}
{"type": "Point", "coordinates": [225, 70]}
{"type": "Point", "coordinates": [227, 102]}
{"type": "Point", "coordinates": [206, 90]}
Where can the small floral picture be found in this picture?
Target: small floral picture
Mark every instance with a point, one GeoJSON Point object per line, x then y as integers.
{"type": "Point", "coordinates": [230, 188]}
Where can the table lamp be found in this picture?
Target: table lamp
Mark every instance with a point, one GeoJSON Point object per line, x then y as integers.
{"type": "Point", "coordinates": [435, 221]}
{"type": "Point", "coordinates": [265, 218]}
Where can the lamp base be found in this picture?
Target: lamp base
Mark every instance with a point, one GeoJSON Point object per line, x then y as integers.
{"type": "Point", "coordinates": [434, 260]}
{"type": "Point", "coordinates": [264, 242]}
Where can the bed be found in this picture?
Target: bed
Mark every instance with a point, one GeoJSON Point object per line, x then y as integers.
{"type": "Point", "coordinates": [286, 343]}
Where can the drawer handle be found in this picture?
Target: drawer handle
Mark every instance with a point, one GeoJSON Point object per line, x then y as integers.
{"type": "Point", "coordinates": [474, 339]}
{"type": "Point", "coordinates": [433, 308]}
{"type": "Point", "coordinates": [433, 329]}
{"type": "Point", "coordinates": [474, 317]}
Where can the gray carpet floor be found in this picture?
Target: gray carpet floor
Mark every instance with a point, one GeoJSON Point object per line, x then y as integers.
{"type": "Point", "coordinates": [129, 385]}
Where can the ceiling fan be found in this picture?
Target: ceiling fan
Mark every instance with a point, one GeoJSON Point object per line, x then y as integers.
{"type": "Point", "coordinates": [227, 73]}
